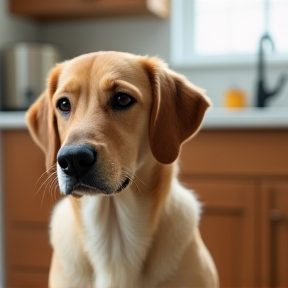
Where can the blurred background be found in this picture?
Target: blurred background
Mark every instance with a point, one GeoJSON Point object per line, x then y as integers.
{"type": "Point", "coordinates": [197, 37]}
{"type": "Point", "coordinates": [237, 50]}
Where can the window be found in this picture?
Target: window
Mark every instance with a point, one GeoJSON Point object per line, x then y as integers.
{"type": "Point", "coordinates": [220, 30]}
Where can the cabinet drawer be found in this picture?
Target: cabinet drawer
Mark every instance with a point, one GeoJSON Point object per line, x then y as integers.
{"type": "Point", "coordinates": [236, 152]}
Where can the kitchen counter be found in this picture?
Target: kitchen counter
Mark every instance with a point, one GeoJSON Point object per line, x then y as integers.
{"type": "Point", "coordinates": [215, 118]}
{"type": "Point", "coordinates": [248, 118]}
{"type": "Point", "coordinates": [12, 120]}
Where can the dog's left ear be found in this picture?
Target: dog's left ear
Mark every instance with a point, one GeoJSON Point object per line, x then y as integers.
{"type": "Point", "coordinates": [42, 121]}
{"type": "Point", "coordinates": [177, 111]}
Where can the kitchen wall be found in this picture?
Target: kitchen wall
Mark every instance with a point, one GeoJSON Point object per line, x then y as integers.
{"type": "Point", "coordinates": [152, 36]}
{"type": "Point", "coordinates": [136, 35]}
{"type": "Point", "coordinates": [11, 29]}
{"type": "Point", "coordinates": [14, 28]}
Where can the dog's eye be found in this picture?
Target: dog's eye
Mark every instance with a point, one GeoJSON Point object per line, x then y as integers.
{"type": "Point", "coordinates": [122, 100]}
{"type": "Point", "coordinates": [64, 105]}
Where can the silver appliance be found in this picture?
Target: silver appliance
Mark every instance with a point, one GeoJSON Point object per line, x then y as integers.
{"type": "Point", "coordinates": [25, 67]}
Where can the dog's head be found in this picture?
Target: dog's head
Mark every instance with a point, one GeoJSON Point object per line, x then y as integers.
{"type": "Point", "coordinates": [104, 114]}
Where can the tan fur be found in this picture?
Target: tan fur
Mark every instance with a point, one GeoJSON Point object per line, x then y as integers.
{"type": "Point", "coordinates": [147, 235]}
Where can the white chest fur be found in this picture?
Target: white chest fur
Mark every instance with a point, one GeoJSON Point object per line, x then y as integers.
{"type": "Point", "coordinates": [117, 238]}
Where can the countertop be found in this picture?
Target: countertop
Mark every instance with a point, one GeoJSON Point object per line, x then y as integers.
{"type": "Point", "coordinates": [215, 118]}
{"type": "Point", "coordinates": [248, 118]}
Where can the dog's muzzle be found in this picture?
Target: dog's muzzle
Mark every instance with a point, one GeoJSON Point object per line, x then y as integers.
{"type": "Point", "coordinates": [78, 172]}
{"type": "Point", "coordinates": [75, 168]}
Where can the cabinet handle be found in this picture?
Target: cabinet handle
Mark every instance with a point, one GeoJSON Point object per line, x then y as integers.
{"type": "Point", "coordinates": [277, 216]}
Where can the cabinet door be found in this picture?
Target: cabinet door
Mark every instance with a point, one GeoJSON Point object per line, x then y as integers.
{"type": "Point", "coordinates": [228, 227]}
{"type": "Point", "coordinates": [274, 235]}
{"type": "Point", "coordinates": [26, 213]}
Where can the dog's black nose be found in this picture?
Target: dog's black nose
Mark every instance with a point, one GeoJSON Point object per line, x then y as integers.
{"type": "Point", "coordinates": [76, 160]}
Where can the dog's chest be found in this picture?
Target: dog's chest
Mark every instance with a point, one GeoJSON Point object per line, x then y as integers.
{"type": "Point", "coordinates": [117, 238]}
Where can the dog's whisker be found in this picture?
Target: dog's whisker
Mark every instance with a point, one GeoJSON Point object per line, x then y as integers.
{"type": "Point", "coordinates": [51, 184]}
{"type": "Point", "coordinates": [130, 177]}
{"type": "Point", "coordinates": [133, 175]}
{"type": "Point", "coordinates": [55, 190]}
{"type": "Point", "coordinates": [51, 188]}
{"type": "Point", "coordinates": [43, 174]}
{"type": "Point", "coordinates": [133, 182]}
{"type": "Point", "coordinates": [43, 196]}
{"type": "Point", "coordinates": [49, 179]}
{"type": "Point", "coordinates": [140, 180]}
{"type": "Point", "coordinates": [46, 181]}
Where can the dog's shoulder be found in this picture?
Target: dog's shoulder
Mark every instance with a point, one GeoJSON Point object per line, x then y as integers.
{"type": "Point", "coordinates": [184, 203]}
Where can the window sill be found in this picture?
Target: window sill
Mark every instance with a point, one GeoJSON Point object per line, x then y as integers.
{"type": "Point", "coordinates": [228, 62]}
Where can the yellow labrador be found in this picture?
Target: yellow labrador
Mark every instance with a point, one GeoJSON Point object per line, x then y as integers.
{"type": "Point", "coordinates": [112, 124]}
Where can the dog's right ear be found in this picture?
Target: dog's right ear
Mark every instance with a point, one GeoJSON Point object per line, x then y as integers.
{"type": "Point", "coordinates": [177, 110]}
{"type": "Point", "coordinates": [42, 123]}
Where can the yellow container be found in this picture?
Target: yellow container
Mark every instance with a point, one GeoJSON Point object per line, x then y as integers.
{"type": "Point", "coordinates": [235, 98]}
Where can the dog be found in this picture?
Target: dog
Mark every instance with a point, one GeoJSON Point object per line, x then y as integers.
{"type": "Point", "coordinates": [112, 125]}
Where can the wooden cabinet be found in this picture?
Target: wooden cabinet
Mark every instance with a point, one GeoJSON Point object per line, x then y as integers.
{"type": "Point", "coordinates": [242, 179]}
{"type": "Point", "coordinates": [274, 234]}
{"type": "Point", "coordinates": [51, 9]}
{"type": "Point", "coordinates": [240, 176]}
{"type": "Point", "coordinates": [228, 227]}
{"type": "Point", "coordinates": [27, 250]}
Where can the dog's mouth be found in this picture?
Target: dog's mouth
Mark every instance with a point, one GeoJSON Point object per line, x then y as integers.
{"type": "Point", "coordinates": [81, 189]}
{"type": "Point", "coordinates": [124, 184]}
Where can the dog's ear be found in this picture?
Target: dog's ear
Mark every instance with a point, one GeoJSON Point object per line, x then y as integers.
{"type": "Point", "coordinates": [42, 122]}
{"type": "Point", "coordinates": [177, 111]}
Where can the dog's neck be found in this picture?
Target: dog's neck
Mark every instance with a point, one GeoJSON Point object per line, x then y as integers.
{"type": "Point", "coordinates": [119, 230]}
{"type": "Point", "coordinates": [122, 226]}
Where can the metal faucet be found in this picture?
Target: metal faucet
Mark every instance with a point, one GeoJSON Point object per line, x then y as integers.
{"type": "Point", "coordinates": [262, 92]}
